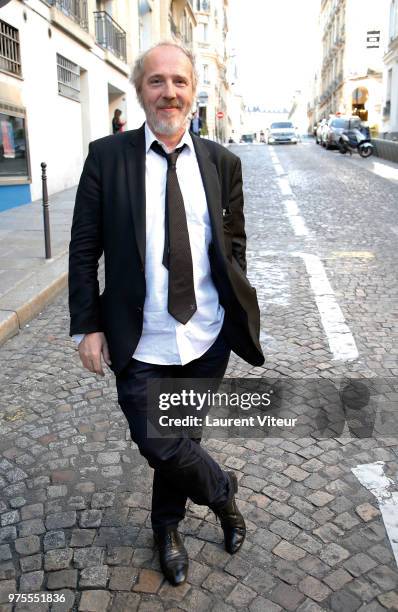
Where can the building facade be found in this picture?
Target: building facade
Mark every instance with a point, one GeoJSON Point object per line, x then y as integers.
{"type": "Point", "coordinates": [235, 103]}
{"type": "Point", "coordinates": [390, 106]}
{"type": "Point", "coordinates": [353, 34]}
{"type": "Point", "coordinates": [210, 49]}
{"type": "Point", "coordinates": [65, 68]}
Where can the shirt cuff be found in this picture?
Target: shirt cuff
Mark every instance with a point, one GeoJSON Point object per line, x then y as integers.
{"type": "Point", "coordinates": [78, 338]}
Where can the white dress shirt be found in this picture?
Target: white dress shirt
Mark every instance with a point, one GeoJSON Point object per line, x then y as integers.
{"type": "Point", "coordinates": [164, 340]}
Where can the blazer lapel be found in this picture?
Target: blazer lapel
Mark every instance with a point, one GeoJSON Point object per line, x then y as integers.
{"type": "Point", "coordinates": [211, 183]}
{"type": "Point", "coordinates": [135, 170]}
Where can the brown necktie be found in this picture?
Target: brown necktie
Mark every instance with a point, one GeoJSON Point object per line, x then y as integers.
{"type": "Point", "coordinates": [177, 255]}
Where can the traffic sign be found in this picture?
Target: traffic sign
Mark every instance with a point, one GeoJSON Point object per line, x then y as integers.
{"type": "Point", "coordinates": [220, 115]}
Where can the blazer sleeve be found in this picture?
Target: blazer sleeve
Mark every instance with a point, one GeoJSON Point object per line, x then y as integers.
{"type": "Point", "coordinates": [238, 219]}
{"type": "Point", "coordinates": [85, 250]}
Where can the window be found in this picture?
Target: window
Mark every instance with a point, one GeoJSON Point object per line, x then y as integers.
{"type": "Point", "coordinates": [203, 5]}
{"type": "Point", "coordinates": [13, 146]}
{"type": "Point", "coordinates": [185, 29]}
{"type": "Point", "coordinates": [74, 9]}
{"type": "Point", "coordinates": [68, 78]}
{"type": "Point", "coordinates": [10, 59]}
{"type": "Point", "coordinates": [393, 19]}
{"type": "Point", "coordinates": [205, 74]}
{"type": "Point", "coordinates": [387, 107]}
{"type": "Point", "coordinates": [282, 124]}
{"type": "Point", "coordinates": [389, 83]}
{"type": "Point", "coordinates": [203, 32]}
{"type": "Point", "coordinates": [145, 24]}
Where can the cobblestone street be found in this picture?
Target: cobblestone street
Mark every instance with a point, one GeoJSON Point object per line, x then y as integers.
{"type": "Point", "coordinates": [75, 493]}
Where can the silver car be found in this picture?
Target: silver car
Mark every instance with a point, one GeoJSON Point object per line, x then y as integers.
{"type": "Point", "coordinates": [282, 131]}
{"type": "Point", "coordinates": [333, 129]}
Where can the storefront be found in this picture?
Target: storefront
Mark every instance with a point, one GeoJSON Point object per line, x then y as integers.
{"type": "Point", "coordinates": [14, 157]}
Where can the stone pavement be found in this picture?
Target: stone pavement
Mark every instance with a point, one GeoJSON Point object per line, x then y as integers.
{"type": "Point", "coordinates": [75, 491]}
{"type": "Point", "coordinates": [27, 281]}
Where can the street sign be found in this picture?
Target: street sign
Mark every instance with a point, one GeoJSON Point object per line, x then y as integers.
{"type": "Point", "coordinates": [220, 115]}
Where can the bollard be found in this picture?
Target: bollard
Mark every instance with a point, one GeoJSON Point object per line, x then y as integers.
{"type": "Point", "coordinates": [46, 214]}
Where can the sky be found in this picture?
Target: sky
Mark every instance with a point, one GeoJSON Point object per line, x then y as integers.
{"type": "Point", "coordinates": [276, 43]}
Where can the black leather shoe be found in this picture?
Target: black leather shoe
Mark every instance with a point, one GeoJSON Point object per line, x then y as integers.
{"type": "Point", "coordinates": [172, 555]}
{"type": "Point", "coordinates": [232, 522]}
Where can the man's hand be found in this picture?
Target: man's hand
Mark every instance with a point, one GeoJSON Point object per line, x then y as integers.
{"type": "Point", "coordinates": [90, 350]}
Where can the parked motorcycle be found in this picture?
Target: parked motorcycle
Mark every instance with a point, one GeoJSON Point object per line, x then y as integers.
{"type": "Point", "coordinates": [354, 140]}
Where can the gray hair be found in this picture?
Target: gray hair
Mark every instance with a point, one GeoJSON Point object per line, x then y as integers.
{"type": "Point", "coordinates": [137, 74]}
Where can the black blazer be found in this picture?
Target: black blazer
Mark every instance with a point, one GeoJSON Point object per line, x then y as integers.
{"type": "Point", "coordinates": [109, 218]}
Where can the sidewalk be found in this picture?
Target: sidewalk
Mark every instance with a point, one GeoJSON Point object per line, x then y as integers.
{"type": "Point", "coordinates": [27, 281]}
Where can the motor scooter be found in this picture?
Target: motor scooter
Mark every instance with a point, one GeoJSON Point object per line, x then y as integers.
{"type": "Point", "coordinates": [354, 140]}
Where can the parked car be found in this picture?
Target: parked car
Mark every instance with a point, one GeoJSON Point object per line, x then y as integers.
{"type": "Point", "coordinates": [334, 127]}
{"type": "Point", "coordinates": [282, 131]}
{"type": "Point", "coordinates": [248, 138]}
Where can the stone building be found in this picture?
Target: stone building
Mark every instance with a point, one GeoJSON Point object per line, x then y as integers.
{"type": "Point", "coordinates": [390, 106]}
{"type": "Point", "coordinates": [65, 68]}
{"type": "Point", "coordinates": [353, 34]}
{"type": "Point", "coordinates": [165, 20]}
{"type": "Point", "coordinates": [210, 50]}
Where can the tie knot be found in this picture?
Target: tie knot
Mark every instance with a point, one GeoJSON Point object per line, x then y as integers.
{"type": "Point", "coordinates": [170, 157]}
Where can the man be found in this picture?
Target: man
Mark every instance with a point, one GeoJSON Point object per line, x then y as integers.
{"type": "Point", "coordinates": [117, 123]}
{"type": "Point", "coordinates": [196, 124]}
{"type": "Point", "coordinates": [166, 209]}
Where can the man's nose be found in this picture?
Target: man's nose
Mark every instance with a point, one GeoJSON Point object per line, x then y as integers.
{"type": "Point", "coordinates": [169, 90]}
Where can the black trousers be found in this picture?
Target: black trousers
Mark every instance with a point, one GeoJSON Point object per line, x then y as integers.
{"type": "Point", "coordinates": [182, 468]}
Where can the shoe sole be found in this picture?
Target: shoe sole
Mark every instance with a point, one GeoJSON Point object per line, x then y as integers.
{"type": "Point", "coordinates": [234, 482]}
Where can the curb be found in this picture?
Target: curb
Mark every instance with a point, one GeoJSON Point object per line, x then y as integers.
{"type": "Point", "coordinates": [30, 296]}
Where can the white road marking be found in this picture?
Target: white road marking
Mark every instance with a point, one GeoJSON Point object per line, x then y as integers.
{"type": "Point", "coordinates": [371, 476]}
{"type": "Point", "coordinates": [284, 186]}
{"type": "Point", "coordinates": [278, 169]}
{"type": "Point", "coordinates": [341, 341]}
{"type": "Point", "coordinates": [385, 171]}
{"type": "Point", "coordinates": [296, 220]}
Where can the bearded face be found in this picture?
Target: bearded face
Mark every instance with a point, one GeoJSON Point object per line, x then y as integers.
{"type": "Point", "coordinates": [167, 90]}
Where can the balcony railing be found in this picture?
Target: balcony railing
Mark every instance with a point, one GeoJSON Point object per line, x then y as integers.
{"type": "Point", "coordinates": [110, 35]}
{"type": "Point", "coordinates": [74, 9]}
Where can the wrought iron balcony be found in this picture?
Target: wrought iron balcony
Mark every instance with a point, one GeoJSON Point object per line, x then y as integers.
{"type": "Point", "coordinates": [74, 9]}
{"type": "Point", "coordinates": [110, 35]}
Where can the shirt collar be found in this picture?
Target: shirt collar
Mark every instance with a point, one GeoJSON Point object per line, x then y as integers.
{"type": "Point", "coordinates": [150, 138]}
